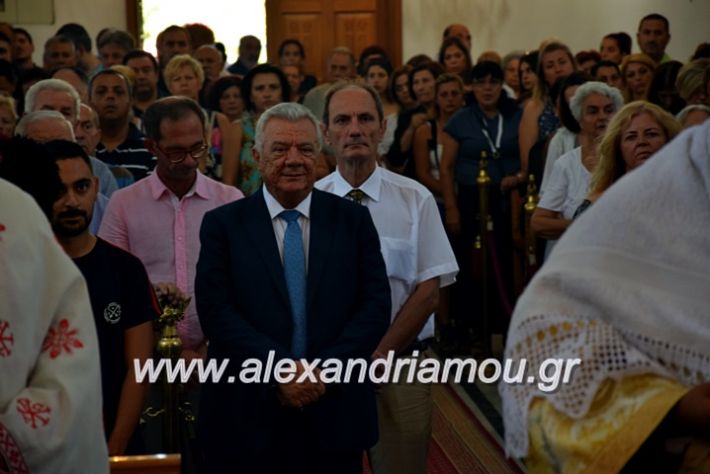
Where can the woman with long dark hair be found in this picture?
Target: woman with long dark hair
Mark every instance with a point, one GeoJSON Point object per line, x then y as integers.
{"type": "Point", "coordinates": [422, 79]}
{"type": "Point", "coordinates": [539, 118]}
{"type": "Point", "coordinates": [263, 87]}
{"type": "Point", "coordinates": [428, 149]}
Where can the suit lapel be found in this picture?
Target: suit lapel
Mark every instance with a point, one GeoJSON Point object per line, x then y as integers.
{"type": "Point", "coordinates": [321, 241]}
{"type": "Point", "coordinates": [261, 231]}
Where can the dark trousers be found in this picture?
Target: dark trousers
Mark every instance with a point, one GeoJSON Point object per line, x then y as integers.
{"type": "Point", "coordinates": [292, 449]}
{"type": "Point", "coordinates": [281, 462]}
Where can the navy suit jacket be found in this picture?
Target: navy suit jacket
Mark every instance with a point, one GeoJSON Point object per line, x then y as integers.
{"type": "Point", "coordinates": [244, 309]}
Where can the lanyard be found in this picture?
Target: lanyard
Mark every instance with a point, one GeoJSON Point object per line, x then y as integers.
{"type": "Point", "coordinates": [495, 147]}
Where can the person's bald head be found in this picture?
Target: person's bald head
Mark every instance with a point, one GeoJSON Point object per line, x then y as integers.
{"type": "Point", "coordinates": [45, 125]}
{"type": "Point", "coordinates": [459, 31]}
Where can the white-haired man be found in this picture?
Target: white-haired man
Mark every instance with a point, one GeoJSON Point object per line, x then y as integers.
{"type": "Point", "coordinates": [46, 125]}
{"type": "Point", "coordinates": [59, 95]}
{"type": "Point", "coordinates": [303, 280]}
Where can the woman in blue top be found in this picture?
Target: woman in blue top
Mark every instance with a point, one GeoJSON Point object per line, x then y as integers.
{"type": "Point", "coordinates": [490, 125]}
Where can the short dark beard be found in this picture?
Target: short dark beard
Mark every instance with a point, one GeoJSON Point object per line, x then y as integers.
{"type": "Point", "coordinates": [65, 232]}
{"type": "Point", "coordinates": [145, 95]}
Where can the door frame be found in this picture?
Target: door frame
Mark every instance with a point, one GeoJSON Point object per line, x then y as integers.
{"type": "Point", "coordinates": [389, 26]}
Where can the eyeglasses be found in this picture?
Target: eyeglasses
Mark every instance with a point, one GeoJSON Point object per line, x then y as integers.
{"type": "Point", "coordinates": [487, 81]}
{"type": "Point", "coordinates": [178, 156]}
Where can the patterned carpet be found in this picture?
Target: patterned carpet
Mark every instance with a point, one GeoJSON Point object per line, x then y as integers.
{"type": "Point", "coordinates": [463, 441]}
{"type": "Point", "coordinates": [467, 440]}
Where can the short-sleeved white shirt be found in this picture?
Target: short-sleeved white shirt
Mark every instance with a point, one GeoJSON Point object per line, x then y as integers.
{"type": "Point", "coordinates": [414, 244]}
{"type": "Point", "coordinates": [562, 142]}
{"type": "Point", "coordinates": [568, 185]}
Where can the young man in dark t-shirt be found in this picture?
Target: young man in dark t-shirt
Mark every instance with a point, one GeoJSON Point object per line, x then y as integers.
{"type": "Point", "coordinates": [122, 299]}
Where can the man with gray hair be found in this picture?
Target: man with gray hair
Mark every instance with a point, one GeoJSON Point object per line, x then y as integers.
{"type": "Point", "coordinates": [249, 51]}
{"type": "Point", "coordinates": [59, 51]}
{"type": "Point", "coordinates": [294, 275]}
{"type": "Point", "coordinates": [60, 96]}
{"type": "Point", "coordinates": [341, 67]}
{"type": "Point", "coordinates": [44, 126]}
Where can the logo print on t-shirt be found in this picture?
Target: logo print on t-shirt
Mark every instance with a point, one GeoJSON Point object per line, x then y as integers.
{"type": "Point", "coordinates": [112, 313]}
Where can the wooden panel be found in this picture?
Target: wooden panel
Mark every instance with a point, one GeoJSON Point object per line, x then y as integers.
{"type": "Point", "coordinates": [307, 29]}
{"type": "Point", "coordinates": [134, 20]}
{"type": "Point", "coordinates": [299, 6]}
{"type": "Point", "coordinates": [354, 5]}
{"type": "Point", "coordinates": [355, 30]}
{"type": "Point", "coordinates": [146, 464]}
{"type": "Point", "coordinates": [324, 24]}
{"type": "Point", "coordinates": [389, 20]}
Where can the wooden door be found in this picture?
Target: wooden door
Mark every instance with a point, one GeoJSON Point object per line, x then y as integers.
{"type": "Point", "coordinates": [322, 25]}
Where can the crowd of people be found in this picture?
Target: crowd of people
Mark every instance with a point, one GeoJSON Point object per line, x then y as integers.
{"type": "Point", "coordinates": [182, 179]}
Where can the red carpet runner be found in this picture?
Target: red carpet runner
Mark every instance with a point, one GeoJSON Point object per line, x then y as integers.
{"type": "Point", "coordinates": [461, 443]}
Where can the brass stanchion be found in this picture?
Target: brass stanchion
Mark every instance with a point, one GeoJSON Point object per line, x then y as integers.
{"type": "Point", "coordinates": [169, 347]}
{"type": "Point", "coordinates": [485, 225]}
{"type": "Point", "coordinates": [530, 206]}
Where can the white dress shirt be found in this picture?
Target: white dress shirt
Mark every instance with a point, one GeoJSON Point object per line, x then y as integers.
{"type": "Point", "coordinates": [412, 237]}
{"type": "Point", "coordinates": [279, 224]}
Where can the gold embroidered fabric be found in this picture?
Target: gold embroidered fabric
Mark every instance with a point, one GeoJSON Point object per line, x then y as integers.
{"type": "Point", "coordinates": [622, 416]}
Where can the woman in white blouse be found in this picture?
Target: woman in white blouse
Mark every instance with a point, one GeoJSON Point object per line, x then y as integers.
{"type": "Point", "coordinates": [592, 106]}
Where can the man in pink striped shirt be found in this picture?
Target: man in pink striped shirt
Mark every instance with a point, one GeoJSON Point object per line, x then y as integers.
{"type": "Point", "coordinates": [158, 218]}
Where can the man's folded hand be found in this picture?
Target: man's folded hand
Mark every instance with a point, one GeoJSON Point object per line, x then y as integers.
{"type": "Point", "coordinates": [299, 394]}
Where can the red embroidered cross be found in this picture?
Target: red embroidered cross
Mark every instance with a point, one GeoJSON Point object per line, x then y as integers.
{"type": "Point", "coordinates": [33, 412]}
{"type": "Point", "coordinates": [6, 339]}
{"type": "Point", "coordinates": [61, 339]}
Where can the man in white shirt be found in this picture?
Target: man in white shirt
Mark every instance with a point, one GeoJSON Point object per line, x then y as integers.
{"type": "Point", "coordinates": [417, 255]}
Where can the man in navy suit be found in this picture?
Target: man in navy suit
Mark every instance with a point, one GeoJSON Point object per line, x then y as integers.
{"type": "Point", "coordinates": [297, 273]}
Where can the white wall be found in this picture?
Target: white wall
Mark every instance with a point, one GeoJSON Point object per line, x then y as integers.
{"type": "Point", "coordinates": [505, 25]}
{"type": "Point", "coordinates": [93, 14]}
{"type": "Point", "coordinates": [501, 25]}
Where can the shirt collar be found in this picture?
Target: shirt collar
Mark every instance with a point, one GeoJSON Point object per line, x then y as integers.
{"type": "Point", "coordinates": [199, 188]}
{"type": "Point", "coordinates": [275, 208]}
{"type": "Point", "coordinates": [133, 132]}
{"type": "Point", "coordinates": [371, 186]}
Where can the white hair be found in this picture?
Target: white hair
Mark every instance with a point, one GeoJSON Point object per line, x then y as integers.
{"type": "Point", "coordinates": [683, 114]}
{"type": "Point", "coordinates": [291, 112]}
{"type": "Point", "coordinates": [594, 87]}
{"type": "Point", "coordinates": [42, 116]}
{"type": "Point", "coordinates": [58, 85]}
